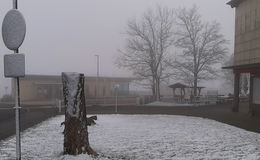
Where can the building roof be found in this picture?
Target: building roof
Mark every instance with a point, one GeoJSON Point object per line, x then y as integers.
{"type": "Point", "coordinates": [58, 77]}
{"type": "Point", "coordinates": [235, 3]}
{"type": "Point", "coordinates": [246, 68]}
{"type": "Point", "coordinates": [180, 85]}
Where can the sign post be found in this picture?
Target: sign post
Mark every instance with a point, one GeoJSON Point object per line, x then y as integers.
{"type": "Point", "coordinates": [13, 33]}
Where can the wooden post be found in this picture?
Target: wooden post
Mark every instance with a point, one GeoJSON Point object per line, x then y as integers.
{"type": "Point", "coordinates": [173, 91]}
{"type": "Point", "coordinates": [236, 93]}
{"type": "Point", "coordinates": [75, 132]}
{"type": "Point", "coordinates": [199, 91]}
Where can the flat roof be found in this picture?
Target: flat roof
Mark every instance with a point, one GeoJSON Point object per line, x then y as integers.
{"type": "Point", "coordinates": [58, 77]}
{"type": "Point", "coordinates": [235, 3]}
{"type": "Point", "coordinates": [246, 68]}
{"type": "Point", "coordinates": [180, 85]}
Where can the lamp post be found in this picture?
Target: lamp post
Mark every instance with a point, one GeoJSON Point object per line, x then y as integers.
{"type": "Point", "coordinates": [97, 78]}
{"type": "Point", "coordinates": [116, 87]}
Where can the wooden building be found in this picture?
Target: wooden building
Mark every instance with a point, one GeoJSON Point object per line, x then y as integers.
{"type": "Point", "coordinates": [247, 50]}
{"type": "Point", "coordinates": [49, 87]}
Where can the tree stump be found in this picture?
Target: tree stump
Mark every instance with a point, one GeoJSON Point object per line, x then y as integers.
{"type": "Point", "coordinates": [75, 131]}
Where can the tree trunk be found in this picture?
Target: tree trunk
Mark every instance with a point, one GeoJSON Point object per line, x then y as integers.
{"type": "Point", "coordinates": [154, 89]}
{"type": "Point", "coordinates": [195, 85]}
{"type": "Point", "coordinates": [75, 131]}
{"type": "Point", "coordinates": [158, 89]}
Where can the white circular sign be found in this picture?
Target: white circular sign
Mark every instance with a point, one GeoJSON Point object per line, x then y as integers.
{"type": "Point", "coordinates": [13, 29]}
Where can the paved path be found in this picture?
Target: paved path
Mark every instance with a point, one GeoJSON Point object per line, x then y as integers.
{"type": "Point", "coordinates": [222, 113]}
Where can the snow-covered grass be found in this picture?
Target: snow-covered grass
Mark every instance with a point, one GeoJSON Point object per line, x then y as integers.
{"type": "Point", "coordinates": [168, 104]}
{"type": "Point", "coordinates": [141, 137]}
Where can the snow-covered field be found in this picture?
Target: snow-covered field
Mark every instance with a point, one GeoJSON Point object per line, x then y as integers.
{"type": "Point", "coordinates": [141, 137]}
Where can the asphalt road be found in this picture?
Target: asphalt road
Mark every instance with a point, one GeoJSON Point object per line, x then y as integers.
{"type": "Point", "coordinates": [222, 113]}
{"type": "Point", "coordinates": [28, 118]}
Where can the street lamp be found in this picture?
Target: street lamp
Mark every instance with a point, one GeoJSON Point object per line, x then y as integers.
{"type": "Point", "coordinates": [96, 86]}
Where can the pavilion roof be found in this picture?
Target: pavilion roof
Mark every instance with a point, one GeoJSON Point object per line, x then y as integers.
{"type": "Point", "coordinates": [178, 85]}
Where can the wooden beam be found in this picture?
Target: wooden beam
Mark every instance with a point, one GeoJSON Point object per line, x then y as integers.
{"type": "Point", "coordinates": [236, 93]}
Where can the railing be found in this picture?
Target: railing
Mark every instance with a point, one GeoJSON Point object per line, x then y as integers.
{"type": "Point", "coordinates": [108, 101]}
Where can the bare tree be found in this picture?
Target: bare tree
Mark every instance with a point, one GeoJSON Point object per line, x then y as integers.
{"type": "Point", "coordinates": [201, 45]}
{"type": "Point", "coordinates": [147, 44]}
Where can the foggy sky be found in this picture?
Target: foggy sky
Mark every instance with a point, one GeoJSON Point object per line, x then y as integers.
{"type": "Point", "coordinates": [64, 35]}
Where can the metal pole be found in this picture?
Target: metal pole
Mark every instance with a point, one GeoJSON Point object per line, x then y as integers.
{"type": "Point", "coordinates": [15, 4]}
{"type": "Point", "coordinates": [17, 106]}
{"type": "Point", "coordinates": [96, 87]}
{"type": "Point", "coordinates": [17, 121]}
{"type": "Point", "coordinates": [97, 66]}
{"type": "Point", "coordinates": [17, 116]}
{"type": "Point", "coordinates": [116, 99]}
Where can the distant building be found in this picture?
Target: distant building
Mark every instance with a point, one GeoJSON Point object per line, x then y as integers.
{"type": "Point", "coordinates": [49, 87]}
{"type": "Point", "coordinates": [247, 49]}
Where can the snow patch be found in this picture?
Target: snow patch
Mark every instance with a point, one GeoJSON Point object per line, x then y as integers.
{"type": "Point", "coordinates": [139, 137]}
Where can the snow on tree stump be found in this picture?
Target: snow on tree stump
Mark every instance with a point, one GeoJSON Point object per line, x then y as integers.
{"type": "Point", "coordinates": [75, 131]}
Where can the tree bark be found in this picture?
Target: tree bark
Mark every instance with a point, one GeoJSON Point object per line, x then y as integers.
{"type": "Point", "coordinates": [75, 131]}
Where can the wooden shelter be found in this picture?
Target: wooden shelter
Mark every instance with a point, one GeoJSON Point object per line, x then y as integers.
{"type": "Point", "coordinates": [182, 88]}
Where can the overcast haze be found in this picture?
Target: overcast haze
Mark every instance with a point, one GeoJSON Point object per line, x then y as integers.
{"type": "Point", "coordinates": [64, 35]}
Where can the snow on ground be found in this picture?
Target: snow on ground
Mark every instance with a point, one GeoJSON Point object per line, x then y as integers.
{"type": "Point", "coordinates": [167, 104]}
{"type": "Point", "coordinates": [141, 137]}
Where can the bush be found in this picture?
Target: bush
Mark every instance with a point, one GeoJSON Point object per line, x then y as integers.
{"type": "Point", "coordinates": [6, 98]}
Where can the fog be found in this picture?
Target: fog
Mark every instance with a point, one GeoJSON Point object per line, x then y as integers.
{"type": "Point", "coordinates": [64, 35]}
